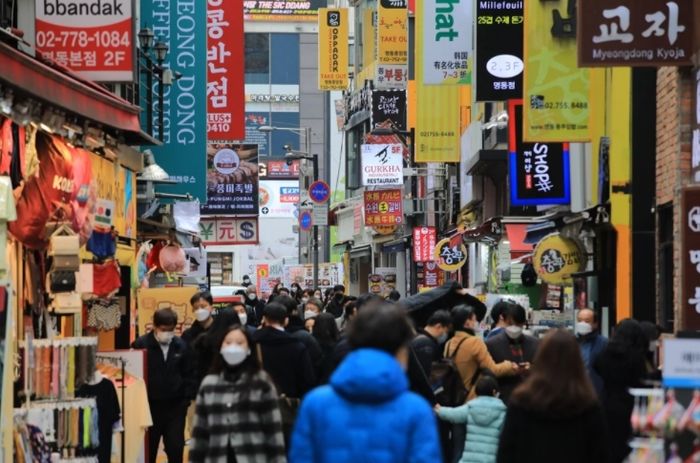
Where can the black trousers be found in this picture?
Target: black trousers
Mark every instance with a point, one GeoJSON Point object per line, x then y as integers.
{"type": "Point", "coordinates": [169, 423]}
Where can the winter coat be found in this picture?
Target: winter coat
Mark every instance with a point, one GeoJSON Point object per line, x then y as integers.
{"type": "Point", "coordinates": [592, 346]}
{"type": "Point", "coordinates": [366, 414]}
{"type": "Point", "coordinates": [170, 379]}
{"type": "Point", "coordinates": [484, 418]}
{"type": "Point", "coordinates": [239, 411]}
{"type": "Point", "coordinates": [427, 351]}
{"type": "Point", "coordinates": [501, 348]}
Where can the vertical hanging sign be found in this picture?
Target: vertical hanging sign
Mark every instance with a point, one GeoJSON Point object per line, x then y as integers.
{"type": "Point", "coordinates": [333, 48]}
{"type": "Point", "coordinates": [447, 41]}
{"type": "Point", "coordinates": [225, 71]}
{"type": "Point", "coordinates": [392, 44]}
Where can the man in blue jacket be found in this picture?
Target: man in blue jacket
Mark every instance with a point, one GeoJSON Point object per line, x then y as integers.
{"type": "Point", "coordinates": [592, 344]}
{"type": "Point", "coordinates": [367, 413]}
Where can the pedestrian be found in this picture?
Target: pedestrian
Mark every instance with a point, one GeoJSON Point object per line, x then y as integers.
{"type": "Point", "coordinates": [246, 281]}
{"type": "Point", "coordinates": [312, 308]}
{"type": "Point", "coordinates": [326, 332]}
{"type": "Point", "coordinates": [592, 344]}
{"type": "Point", "coordinates": [621, 366]}
{"type": "Point", "coordinates": [349, 312]}
{"type": "Point", "coordinates": [237, 414]}
{"type": "Point", "coordinates": [318, 294]}
{"type": "Point", "coordinates": [335, 306]}
{"type": "Point", "coordinates": [394, 296]}
{"type": "Point", "coordinates": [171, 385]}
{"type": "Point", "coordinates": [554, 415]}
{"type": "Point", "coordinates": [305, 296]}
{"type": "Point", "coordinates": [203, 308]}
{"type": "Point", "coordinates": [257, 306]}
{"type": "Point", "coordinates": [498, 318]}
{"type": "Point", "coordinates": [483, 420]}
{"type": "Point", "coordinates": [244, 315]}
{"type": "Point", "coordinates": [514, 345]}
{"type": "Point", "coordinates": [297, 328]}
{"type": "Point", "coordinates": [430, 340]}
{"type": "Point", "coordinates": [206, 346]}
{"type": "Point", "coordinates": [366, 413]}
{"type": "Point", "coordinates": [652, 332]}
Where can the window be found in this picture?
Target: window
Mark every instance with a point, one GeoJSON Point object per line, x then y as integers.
{"type": "Point", "coordinates": [257, 58]}
{"type": "Point", "coordinates": [285, 59]}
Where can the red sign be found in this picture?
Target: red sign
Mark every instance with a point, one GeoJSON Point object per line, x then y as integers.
{"type": "Point", "coordinates": [424, 239]}
{"type": "Point", "coordinates": [357, 219]}
{"type": "Point", "coordinates": [278, 170]}
{"type": "Point", "coordinates": [225, 75]}
{"type": "Point", "coordinates": [95, 40]}
{"type": "Point", "coordinates": [432, 275]}
{"type": "Point", "coordinates": [383, 207]}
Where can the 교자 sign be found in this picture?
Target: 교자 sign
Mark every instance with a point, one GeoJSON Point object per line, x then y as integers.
{"type": "Point", "coordinates": [383, 207]}
{"type": "Point", "coordinates": [450, 258]}
{"type": "Point", "coordinates": [690, 257]}
{"type": "Point", "coordinates": [382, 165]}
{"type": "Point", "coordinates": [556, 258]}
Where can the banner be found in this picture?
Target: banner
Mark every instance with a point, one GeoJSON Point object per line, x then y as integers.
{"type": "Point", "coordinates": [389, 105]}
{"type": "Point", "coordinates": [333, 50]}
{"type": "Point", "coordinates": [392, 32]}
{"type": "Point", "coordinates": [383, 207]}
{"type": "Point", "coordinates": [225, 77]}
{"type": "Point", "coordinates": [285, 11]}
{"type": "Point", "coordinates": [539, 172]}
{"type": "Point", "coordinates": [95, 40]}
{"type": "Point", "coordinates": [279, 198]}
{"type": "Point", "coordinates": [184, 150]}
{"type": "Point", "coordinates": [556, 90]}
{"type": "Point", "coordinates": [447, 41]}
{"type": "Point", "coordinates": [229, 231]}
{"type": "Point", "coordinates": [499, 50]}
{"type": "Point", "coordinates": [424, 239]}
{"type": "Point", "coordinates": [382, 165]}
{"type": "Point", "coordinates": [152, 299]}
{"type": "Point", "coordinates": [232, 180]}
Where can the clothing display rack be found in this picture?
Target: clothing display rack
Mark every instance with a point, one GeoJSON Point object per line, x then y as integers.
{"type": "Point", "coordinates": [121, 364]}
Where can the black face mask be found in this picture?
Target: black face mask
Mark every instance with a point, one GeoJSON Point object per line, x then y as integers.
{"type": "Point", "coordinates": [339, 296]}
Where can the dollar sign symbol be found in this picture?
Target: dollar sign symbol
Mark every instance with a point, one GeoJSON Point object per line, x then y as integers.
{"type": "Point", "coordinates": [247, 230]}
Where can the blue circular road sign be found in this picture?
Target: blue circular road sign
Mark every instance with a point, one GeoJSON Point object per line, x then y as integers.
{"type": "Point", "coordinates": [305, 220]}
{"type": "Point", "coordinates": [319, 192]}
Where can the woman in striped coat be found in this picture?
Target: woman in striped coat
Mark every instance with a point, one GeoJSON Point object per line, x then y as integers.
{"type": "Point", "coordinates": [237, 417]}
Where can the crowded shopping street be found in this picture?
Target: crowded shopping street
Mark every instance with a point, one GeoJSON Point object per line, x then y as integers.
{"type": "Point", "coordinates": [358, 231]}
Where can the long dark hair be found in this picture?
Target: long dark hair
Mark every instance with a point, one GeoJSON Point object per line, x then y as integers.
{"type": "Point", "coordinates": [628, 338]}
{"type": "Point", "coordinates": [250, 365]}
{"type": "Point", "coordinates": [558, 383]}
{"type": "Point", "coordinates": [211, 340]}
{"type": "Point", "coordinates": [326, 329]}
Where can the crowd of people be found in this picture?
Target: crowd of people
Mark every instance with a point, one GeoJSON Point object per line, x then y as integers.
{"type": "Point", "coordinates": [330, 378]}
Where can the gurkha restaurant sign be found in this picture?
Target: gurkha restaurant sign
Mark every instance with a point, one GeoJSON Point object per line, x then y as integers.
{"type": "Point", "coordinates": [635, 33]}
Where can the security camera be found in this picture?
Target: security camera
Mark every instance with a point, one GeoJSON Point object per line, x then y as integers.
{"type": "Point", "coordinates": [287, 148]}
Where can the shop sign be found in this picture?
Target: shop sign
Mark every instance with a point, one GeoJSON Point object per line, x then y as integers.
{"type": "Point", "coordinates": [389, 106]}
{"type": "Point", "coordinates": [232, 180]}
{"type": "Point", "coordinates": [392, 32]}
{"type": "Point", "coordinates": [382, 165]}
{"type": "Point", "coordinates": [93, 39]}
{"type": "Point", "coordinates": [229, 231]}
{"type": "Point", "coordinates": [447, 43]}
{"type": "Point", "coordinates": [539, 172]}
{"type": "Point", "coordinates": [284, 11]}
{"type": "Point", "coordinates": [272, 98]}
{"type": "Point", "coordinates": [437, 124]}
{"type": "Point", "coordinates": [225, 75]}
{"type": "Point", "coordinates": [333, 48]}
{"type": "Point", "coordinates": [681, 365]}
{"type": "Point", "coordinates": [695, 158]}
{"type": "Point", "coordinates": [499, 50]}
{"type": "Point", "coordinates": [556, 258]}
{"type": "Point", "coordinates": [152, 299]}
{"type": "Point", "coordinates": [357, 102]}
{"type": "Point", "coordinates": [450, 258]}
{"type": "Point", "coordinates": [385, 229]}
{"type": "Point", "coordinates": [269, 169]}
{"type": "Point", "coordinates": [634, 33]}
{"type": "Point", "coordinates": [391, 76]}
{"type": "Point", "coordinates": [690, 261]}
{"type": "Point", "coordinates": [432, 276]}
{"type": "Point", "coordinates": [383, 207]}
{"type": "Point", "coordinates": [262, 280]}
{"type": "Point", "coordinates": [183, 27]}
{"type": "Point", "coordinates": [382, 281]}
{"type": "Point", "coordinates": [279, 198]}
{"type": "Point", "coordinates": [555, 88]}
{"type": "Point", "coordinates": [424, 239]}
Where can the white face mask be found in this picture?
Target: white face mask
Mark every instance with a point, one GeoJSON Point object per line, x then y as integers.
{"type": "Point", "coordinates": [252, 296]}
{"type": "Point", "coordinates": [309, 314]}
{"type": "Point", "coordinates": [202, 314]}
{"type": "Point", "coordinates": [653, 345]}
{"type": "Point", "coordinates": [234, 354]}
{"type": "Point", "coordinates": [165, 337]}
{"type": "Point", "coordinates": [514, 332]}
{"type": "Point", "coordinates": [304, 300]}
{"type": "Point", "coordinates": [583, 328]}
{"type": "Point", "coordinates": [243, 317]}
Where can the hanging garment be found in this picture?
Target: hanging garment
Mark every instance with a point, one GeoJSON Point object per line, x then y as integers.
{"type": "Point", "coordinates": [102, 244]}
{"type": "Point", "coordinates": [106, 279]}
{"type": "Point", "coordinates": [104, 314]}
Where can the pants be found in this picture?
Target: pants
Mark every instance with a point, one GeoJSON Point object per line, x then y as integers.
{"type": "Point", "coordinates": [169, 423]}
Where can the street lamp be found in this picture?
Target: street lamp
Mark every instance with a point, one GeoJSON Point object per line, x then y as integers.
{"type": "Point", "coordinates": [160, 50]}
{"type": "Point", "coordinates": [306, 131]}
{"type": "Point", "coordinates": [146, 38]}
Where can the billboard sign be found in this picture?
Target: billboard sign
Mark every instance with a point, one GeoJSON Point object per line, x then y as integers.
{"type": "Point", "coordinates": [447, 41]}
{"type": "Point", "coordinates": [382, 165]}
{"type": "Point", "coordinates": [383, 207]}
{"type": "Point", "coordinates": [232, 180]}
{"type": "Point", "coordinates": [279, 198]}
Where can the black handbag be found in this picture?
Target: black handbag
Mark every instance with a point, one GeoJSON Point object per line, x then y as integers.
{"type": "Point", "coordinates": [62, 281]}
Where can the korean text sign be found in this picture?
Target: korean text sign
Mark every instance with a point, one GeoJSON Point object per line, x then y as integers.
{"type": "Point", "coordinates": [225, 73]}
{"type": "Point", "coordinates": [278, 11]}
{"type": "Point", "coordinates": [389, 105]}
{"type": "Point", "coordinates": [383, 207]}
{"type": "Point", "coordinates": [447, 41]}
{"type": "Point", "coordinates": [539, 172]}
{"type": "Point", "coordinates": [690, 257]}
{"type": "Point", "coordinates": [182, 25]}
{"type": "Point", "coordinates": [681, 363]}
{"type": "Point", "coordinates": [333, 50]}
{"type": "Point", "coordinates": [94, 39]}
{"type": "Point", "coordinates": [424, 239]}
{"type": "Point", "coordinates": [232, 180]}
{"type": "Point", "coordinates": [499, 50]}
{"type": "Point", "coordinates": [556, 90]}
{"type": "Point", "coordinates": [634, 33]}
{"type": "Point", "coordinates": [392, 32]}
{"type": "Point", "coordinates": [382, 165]}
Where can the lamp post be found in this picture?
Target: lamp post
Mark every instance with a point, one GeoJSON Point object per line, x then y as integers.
{"type": "Point", "coordinates": [160, 49]}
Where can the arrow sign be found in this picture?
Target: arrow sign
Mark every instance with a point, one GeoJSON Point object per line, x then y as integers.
{"type": "Point", "coordinates": [319, 192]}
{"type": "Point", "coordinates": [305, 220]}
{"type": "Point", "coordinates": [306, 204]}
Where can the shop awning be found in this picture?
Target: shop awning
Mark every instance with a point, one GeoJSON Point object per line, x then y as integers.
{"type": "Point", "coordinates": [516, 233]}
{"type": "Point", "coordinates": [58, 86]}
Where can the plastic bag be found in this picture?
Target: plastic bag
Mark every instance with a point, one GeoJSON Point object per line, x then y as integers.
{"type": "Point", "coordinates": [187, 216]}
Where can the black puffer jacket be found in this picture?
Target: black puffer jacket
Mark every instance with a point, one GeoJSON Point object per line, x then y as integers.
{"type": "Point", "coordinates": [172, 379]}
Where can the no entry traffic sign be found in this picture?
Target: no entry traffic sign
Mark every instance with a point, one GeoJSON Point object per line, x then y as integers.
{"type": "Point", "coordinates": [319, 192]}
{"type": "Point", "coordinates": [305, 220]}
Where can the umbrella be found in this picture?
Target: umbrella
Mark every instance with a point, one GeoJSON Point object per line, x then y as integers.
{"type": "Point", "coordinates": [421, 306]}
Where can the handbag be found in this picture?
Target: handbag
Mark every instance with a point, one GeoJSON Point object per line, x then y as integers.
{"type": "Point", "coordinates": [61, 262]}
{"type": "Point", "coordinates": [64, 245]}
{"type": "Point", "coordinates": [62, 281]}
{"type": "Point", "coordinates": [67, 303]}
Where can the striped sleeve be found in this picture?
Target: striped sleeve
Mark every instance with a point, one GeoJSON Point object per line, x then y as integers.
{"type": "Point", "coordinates": [200, 431]}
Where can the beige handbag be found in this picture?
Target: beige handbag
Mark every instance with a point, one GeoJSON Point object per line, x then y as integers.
{"type": "Point", "coordinates": [64, 242]}
{"type": "Point", "coordinates": [67, 303]}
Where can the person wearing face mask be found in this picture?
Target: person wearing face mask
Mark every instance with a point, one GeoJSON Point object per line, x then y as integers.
{"type": "Point", "coordinates": [256, 305]}
{"type": "Point", "coordinates": [592, 344]}
{"type": "Point", "coordinates": [515, 346]}
{"type": "Point", "coordinates": [243, 316]}
{"type": "Point", "coordinates": [171, 385]}
{"type": "Point", "coordinates": [246, 281]}
{"type": "Point", "coordinates": [335, 306]}
{"type": "Point", "coordinates": [202, 308]}
{"type": "Point", "coordinates": [250, 430]}
{"type": "Point", "coordinates": [368, 395]}
{"type": "Point", "coordinates": [428, 344]}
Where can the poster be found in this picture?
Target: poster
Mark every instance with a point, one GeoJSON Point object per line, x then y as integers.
{"type": "Point", "coordinates": [329, 275]}
{"type": "Point", "coordinates": [424, 239]}
{"type": "Point", "coordinates": [382, 165]}
{"type": "Point", "coordinates": [382, 281]}
{"type": "Point", "coordinates": [392, 32]}
{"type": "Point", "coordinates": [333, 48]}
{"type": "Point", "coordinates": [232, 180]}
{"type": "Point", "coordinates": [384, 207]}
{"type": "Point", "coordinates": [152, 299]}
{"type": "Point", "coordinates": [114, 185]}
{"type": "Point", "coordinates": [446, 31]}
{"type": "Point", "coordinates": [279, 198]}
{"type": "Point", "coordinates": [389, 109]}
{"type": "Point", "coordinates": [556, 90]}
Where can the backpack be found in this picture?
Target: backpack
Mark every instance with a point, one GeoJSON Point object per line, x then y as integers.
{"type": "Point", "coordinates": [446, 381]}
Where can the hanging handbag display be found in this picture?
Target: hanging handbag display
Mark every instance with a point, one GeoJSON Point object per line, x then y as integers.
{"type": "Point", "coordinates": [61, 281]}
{"type": "Point", "coordinates": [67, 303]}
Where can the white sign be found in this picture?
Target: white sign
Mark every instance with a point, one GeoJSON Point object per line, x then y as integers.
{"type": "Point", "coordinates": [221, 231]}
{"type": "Point", "coordinates": [391, 76]}
{"type": "Point", "coordinates": [320, 214]}
{"type": "Point", "coordinates": [279, 198]}
{"type": "Point", "coordinates": [681, 363]}
{"type": "Point", "coordinates": [382, 165]}
{"type": "Point", "coordinates": [447, 41]}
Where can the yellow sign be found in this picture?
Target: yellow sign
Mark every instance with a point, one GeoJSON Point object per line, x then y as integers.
{"type": "Point", "coordinates": [556, 90]}
{"type": "Point", "coordinates": [117, 185]}
{"type": "Point", "coordinates": [385, 229]}
{"type": "Point", "coordinates": [557, 258]}
{"type": "Point", "coordinates": [392, 32]}
{"type": "Point", "coordinates": [178, 299]}
{"type": "Point", "coordinates": [333, 48]}
{"type": "Point", "coordinates": [437, 112]}
{"type": "Point", "coordinates": [450, 258]}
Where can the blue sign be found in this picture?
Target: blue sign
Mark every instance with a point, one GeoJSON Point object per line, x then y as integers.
{"type": "Point", "coordinates": [305, 220]}
{"type": "Point", "coordinates": [182, 25]}
{"type": "Point", "coordinates": [319, 192]}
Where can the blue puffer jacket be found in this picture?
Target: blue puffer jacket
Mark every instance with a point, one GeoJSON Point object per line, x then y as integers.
{"type": "Point", "coordinates": [484, 417]}
{"type": "Point", "coordinates": [365, 415]}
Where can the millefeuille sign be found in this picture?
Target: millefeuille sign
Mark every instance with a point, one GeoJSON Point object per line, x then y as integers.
{"type": "Point", "coordinates": [634, 33]}
{"type": "Point", "coordinates": [93, 38]}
